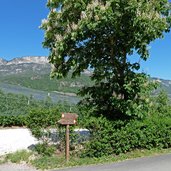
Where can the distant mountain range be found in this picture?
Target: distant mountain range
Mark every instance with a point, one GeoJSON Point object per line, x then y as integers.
{"type": "Point", "coordinates": [165, 85]}
{"type": "Point", "coordinates": [24, 60]}
{"type": "Point", "coordinates": [33, 72]}
{"type": "Point", "coordinates": [24, 65]}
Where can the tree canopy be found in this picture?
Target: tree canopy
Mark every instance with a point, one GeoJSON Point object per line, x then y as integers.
{"type": "Point", "coordinates": [101, 34]}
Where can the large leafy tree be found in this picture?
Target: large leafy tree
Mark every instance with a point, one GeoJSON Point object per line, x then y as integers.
{"type": "Point", "coordinates": [102, 34]}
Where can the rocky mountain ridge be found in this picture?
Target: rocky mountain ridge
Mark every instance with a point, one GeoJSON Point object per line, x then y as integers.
{"type": "Point", "coordinates": [25, 65]}
{"type": "Point", "coordinates": [25, 60]}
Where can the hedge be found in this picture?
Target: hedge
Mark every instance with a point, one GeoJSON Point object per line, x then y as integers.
{"type": "Point", "coordinates": [111, 137]}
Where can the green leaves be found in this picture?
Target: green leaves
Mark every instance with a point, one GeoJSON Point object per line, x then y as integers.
{"type": "Point", "coordinates": [120, 137]}
{"type": "Point", "coordinates": [12, 120]}
{"type": "Point", "coordinates": [133, 25]}
{"type": "Point", "coordinates": [110, 31]}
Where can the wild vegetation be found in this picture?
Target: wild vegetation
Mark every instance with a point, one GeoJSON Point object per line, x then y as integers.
{"type": "Point", "coordinates": [118, 110]}
{"type": "Point", "coordinates": [104, 35]}
{"type": "Point", "coordinates": [110, 138]}
{"type": "Point", "coordinates": [16, 104]}
{"type": "Point", "coordinates": [15, 108]}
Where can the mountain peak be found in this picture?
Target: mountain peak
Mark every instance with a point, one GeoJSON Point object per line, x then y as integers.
{"type": "Point", "coordinates": [29, 59]}
{"type": "Point", "coordinates": [3, 61]}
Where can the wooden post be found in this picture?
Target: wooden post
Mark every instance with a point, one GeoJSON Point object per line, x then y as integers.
{"type": "Point", "coordinates": [67, 143]}
{"type": "Point", "coordinates": [67, 120]}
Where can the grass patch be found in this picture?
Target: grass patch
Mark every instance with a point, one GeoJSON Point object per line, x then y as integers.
{"type": "Point", "coordinates": [19, 156]}
{"type": "Point", "coordinates": [52, 162]}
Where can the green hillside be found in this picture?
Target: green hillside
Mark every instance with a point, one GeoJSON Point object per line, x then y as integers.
{"type": "Point", "coordinates": [37, 76]}
{"type": "Point", "coordinates": [44, 82]}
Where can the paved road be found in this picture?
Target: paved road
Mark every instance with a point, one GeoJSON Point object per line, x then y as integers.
{"type": "Point", "coordinates": [159, 163]}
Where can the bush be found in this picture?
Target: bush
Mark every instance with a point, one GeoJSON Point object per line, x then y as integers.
{"type": "Point", "coordinates": [13, 120]}
{"type": "Point", "coordinates": [161, 104]}
{"type": "Point", "coordinates": [42, 123]}
{"type": "Point", "coordinates": [45, 149]}
{"type": "Point", "coordinates": [115, 137]}
{"type": "Point", "coordinates": [40, 119]}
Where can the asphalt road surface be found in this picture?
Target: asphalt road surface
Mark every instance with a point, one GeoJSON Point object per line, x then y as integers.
{"type": "Point", "coordinates": [158, 163]}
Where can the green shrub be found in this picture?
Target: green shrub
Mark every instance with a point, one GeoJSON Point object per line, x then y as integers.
{"type": "Point", "coordinates": [13, 120]}
{"type": "Point", "coordinates": [115, 137]}
{"type": "Point", "coordinates": [40, 119]}
{"type": "Point", "coordinates": [45, 149]}
{"type": "Point", "coordinates": [161, 104]}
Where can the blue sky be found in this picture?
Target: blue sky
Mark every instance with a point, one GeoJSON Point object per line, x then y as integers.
{"type": "Point", "coordinates": [19, 28]}
{"type": "Point", "coordinates": [20, 36]}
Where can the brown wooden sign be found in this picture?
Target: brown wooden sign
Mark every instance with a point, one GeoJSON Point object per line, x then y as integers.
{"type": "Point", "coordinates": [68, 119]}
{"type": "Point", "coordinates": [69, 116]}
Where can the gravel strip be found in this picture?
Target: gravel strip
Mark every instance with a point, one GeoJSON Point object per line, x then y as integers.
{"type": "Point", "coordinates": [16, 167]}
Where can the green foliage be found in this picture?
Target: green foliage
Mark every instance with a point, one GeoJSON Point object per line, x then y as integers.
{"type": "Point", "coordinates": [49, 162]}
{"type": "Point", "coordinates": [43, 124]}
{"type": "Point", "coordinates": [40, 119]}
{"type": "Point", "coordinates": [17, 104]}
{"type": "Point", "coordinates": [18, 156]}
{"type": "Point", "coordinates": [103, 35]}
{"type": "Point", "coordinates": [105, 101]}
{"type": "Point", "coordinates": [45, 149]}
{"type": "Point", "coordinates": [14, 108]}
{"type": "Point", "coordinates": [161, 104]}
{"type": "Point", "coordinates": [11, 104]}
{"type": "Point", "coordinates": [12, 120]}
{"type": "Point", "coordinates": [115, 137]}
{"type": "Point", "coordinates": [20, 110]}
{"type": "Point", "coordinates": [66, 107]}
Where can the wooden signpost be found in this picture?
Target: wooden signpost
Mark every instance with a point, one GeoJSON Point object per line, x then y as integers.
{"type": "Point", "coordinates": [67, 120]}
